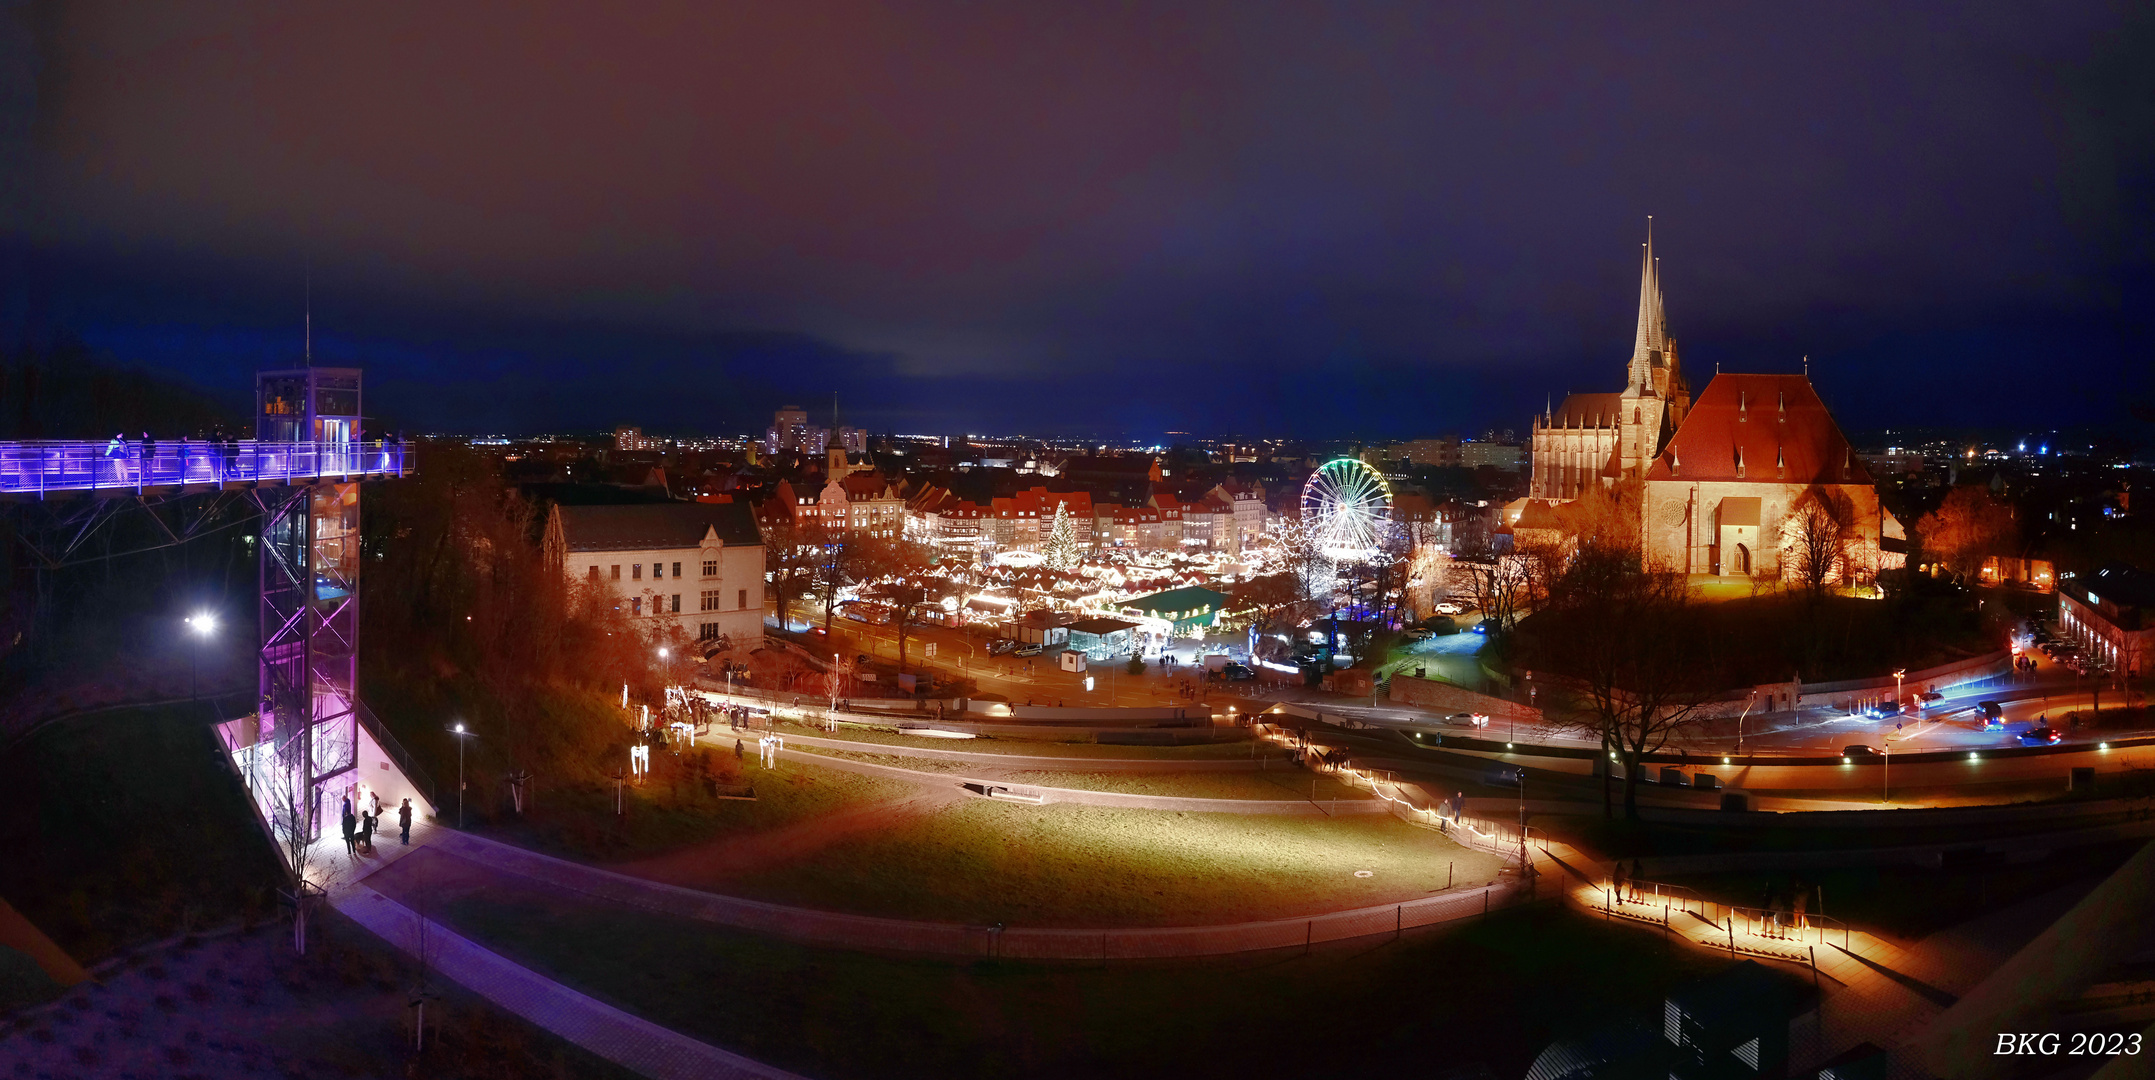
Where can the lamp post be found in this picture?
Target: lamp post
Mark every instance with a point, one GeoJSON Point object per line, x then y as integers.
{"type": "Point", "coordinates": [461, 735]}
{"type": "Point", "coordinates": [1898, 675]}
{"type": "Point", "coordinates": [1749, 700]}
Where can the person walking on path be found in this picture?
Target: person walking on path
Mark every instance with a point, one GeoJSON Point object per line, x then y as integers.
{"type": "Point", "coordinates": [738, 750]}
{"type": "Point", "coordinates": [404, 822]}
{"type": "Point", "coordinates": [1616, 882]}
{"type": "Point", "coordinates": [366, 833]}
{"type": "Point", "coordinates": [351, 830]}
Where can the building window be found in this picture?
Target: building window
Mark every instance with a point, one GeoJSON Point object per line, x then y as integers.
{"type": "Point", "coordinates": [743, 601]}
{"type": "Point", "coordinates": [710, 567]}
{"type": "Point", "coordinates": [617, 572]}
{"type": "Point", "coordinates": [658, 569]}
{"type": "Point", "coordinates": [636, 605]}
{"type": "Point", "coordinates": [677, 569]}
{"type": "Point", "coordinates": [636, 572]}
{"type": "Point", "coordinates": [707, 631]}
{"type": "Point", "coordinates": [709, 600]}
{"type": "Point", "coordinates": [594, 571]}
{"type": "Point", "coordinates": [677, 603]}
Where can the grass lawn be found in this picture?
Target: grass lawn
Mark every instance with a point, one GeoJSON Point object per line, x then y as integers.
{"type": "Point", "coordinates": [120, 825]}
{"type": "Point", "coordinates": [1439, 1002]}
{"type": "Point", "coordinates": [979, 861]}
{"type": "Point", "coordinates": [580, 823]}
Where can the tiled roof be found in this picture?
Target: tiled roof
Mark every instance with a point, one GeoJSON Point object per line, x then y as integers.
{"type": "Point", "coordinates": [1775, 426]}
{"type": "Point", "coordinates": [656, 527]}
{"type": "Point", "coordinates": [1587, 411]}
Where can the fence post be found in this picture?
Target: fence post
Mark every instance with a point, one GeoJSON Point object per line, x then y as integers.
{"type": "Point", "coordinates": [1732, 939]}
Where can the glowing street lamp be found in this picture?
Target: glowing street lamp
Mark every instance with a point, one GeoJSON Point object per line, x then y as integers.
{"type": "Point", "coordinates": [461, 735]}
{"type": "Point", "coordinates": [203, 624]}
{"type": "Point", "coordinates": [1898, 675]}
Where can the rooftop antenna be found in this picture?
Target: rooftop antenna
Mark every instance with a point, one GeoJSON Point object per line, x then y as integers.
{"type": "Point", "coordinates": [309, 317]}
{"type": "Point", "coordinates": [1806, 365]}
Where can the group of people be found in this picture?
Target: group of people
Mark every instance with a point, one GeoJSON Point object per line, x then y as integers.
{"type": "Point", "coordinates": [359, 828]}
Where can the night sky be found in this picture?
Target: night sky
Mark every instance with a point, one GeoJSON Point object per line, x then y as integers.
{"type": "Point", "coordinates": [1324, 219]}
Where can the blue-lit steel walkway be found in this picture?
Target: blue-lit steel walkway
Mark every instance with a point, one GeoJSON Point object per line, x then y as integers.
{"type": "Point", "coordinates": [132, 467]}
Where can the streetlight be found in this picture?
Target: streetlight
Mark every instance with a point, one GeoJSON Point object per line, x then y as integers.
{"type": "Point", "coordinates": [1898, 675]}
{"type": "Point", "coordinates": [1748, 701]}
{"type": "Point", "coordinates": [203, 624]}
{"type": "Point", "coordinates": [461, 735]}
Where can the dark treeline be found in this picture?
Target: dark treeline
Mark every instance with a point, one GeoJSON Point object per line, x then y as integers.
{"type": "Point", "coordinates": [67, 391]}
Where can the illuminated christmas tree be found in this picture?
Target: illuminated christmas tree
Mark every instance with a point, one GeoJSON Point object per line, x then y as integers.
{"type": "Point", "coordinates": [1061, 550]}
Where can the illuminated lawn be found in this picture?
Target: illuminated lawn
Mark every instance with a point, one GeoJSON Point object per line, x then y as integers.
{"type": "Point", "coordinates": [1485, 993]}
{"type": "Point", "coordinates": [581, 823]}
{"type": "Point", "coordinates": [980, 861]}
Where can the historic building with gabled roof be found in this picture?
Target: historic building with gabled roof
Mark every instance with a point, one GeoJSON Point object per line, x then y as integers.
{"type": "Point", "coordinates": [1719, 497]}
{"type": "Point", "coordinates": [1599, 438]}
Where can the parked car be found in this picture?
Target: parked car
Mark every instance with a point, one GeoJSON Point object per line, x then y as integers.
{"type": "Point", "coordinates": [1859, 751]}
{"type": "Point", "coordinates": [1237, 673]}
{"type": "Point", "coordinates": [2039, 736]}
{"type": "Point", "coordinates": [1419, 633]}
{"type": "Point", "coordinates": [1027, 650]}
{"type": "Point", "coordinates": [1931, 695]}
{"type": "Point", "coordinates": [1450, 608]}
{"type": "Point", "coordinates": [1001, 646]}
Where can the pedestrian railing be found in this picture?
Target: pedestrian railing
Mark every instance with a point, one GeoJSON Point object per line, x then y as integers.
{"type": "Point", "coordinates": [59, 465]}
{"type": "Point", "coordinates": [390, 746]}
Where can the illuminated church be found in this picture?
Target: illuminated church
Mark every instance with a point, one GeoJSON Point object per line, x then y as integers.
{"type": "Point", "coordinates": [1722, 482]}
{"type": "Point", "coordinates": [1597, 439]}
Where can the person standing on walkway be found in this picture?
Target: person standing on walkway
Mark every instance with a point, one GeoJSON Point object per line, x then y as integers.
{"type": "Point", "coordinates": [404, 822]}
{"type": "Point", "coordinates": [351, 830]}
{"type": "Point", "coordinates": [739, 751]}
{"type": "Point", "coordinates": [1616, 881]}
{"type": "Point", "coordinates": [366, 832]}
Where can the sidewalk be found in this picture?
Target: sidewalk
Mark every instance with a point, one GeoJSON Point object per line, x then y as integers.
{"type": "Point", "coordinates": [594, 1025]}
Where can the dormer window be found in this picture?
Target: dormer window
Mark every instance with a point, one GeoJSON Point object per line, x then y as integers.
{"type": "Point", "coordinates": [1739, 461]}
{"type": "Point", "coordinates": [1676, 461]}
{"type": "Point", "coordinates": [1743, 407]}
{"type": "Point", "coordinates": [1780, 457]}
{"type": "Point", "coordinates": [1784, 403]}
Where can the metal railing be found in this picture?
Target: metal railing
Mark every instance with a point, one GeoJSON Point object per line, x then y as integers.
{"type": "Point", "coordinates": [396, 752]}
{"type": "Point", "coordinates": [63, 465]}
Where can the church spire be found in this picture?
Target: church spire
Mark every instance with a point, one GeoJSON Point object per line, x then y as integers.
{"type": "Point", "coordinates": [1647, 341]}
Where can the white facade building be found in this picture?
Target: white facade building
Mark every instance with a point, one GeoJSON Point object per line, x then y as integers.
{"type": "Point", "coordinates": [698, 566]}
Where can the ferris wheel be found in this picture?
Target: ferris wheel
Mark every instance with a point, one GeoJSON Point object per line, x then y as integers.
{"type": "Point", "coordinates": [1346, 504]}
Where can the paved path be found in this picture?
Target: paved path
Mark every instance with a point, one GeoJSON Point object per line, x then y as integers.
{"type": "Point", "coordinates": [1114, 799]}
{"type": "Point", "coordinates": [1046, 763]}
{"type": "Point", "coordinates": [592, 1024]}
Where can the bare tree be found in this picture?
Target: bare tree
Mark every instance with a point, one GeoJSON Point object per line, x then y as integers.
{"type": "Point", "coordinates": [1814, 541]}
{"type": "Point", "coordinates": [287, 797]}
{"type": "Point", "coordinates": [1629, 655]}
{"type": "Point", "coordinates": [790, 561]}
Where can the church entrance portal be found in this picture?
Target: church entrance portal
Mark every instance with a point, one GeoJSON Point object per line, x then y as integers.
{"type": "Point", "coordinates": [1743, 559]}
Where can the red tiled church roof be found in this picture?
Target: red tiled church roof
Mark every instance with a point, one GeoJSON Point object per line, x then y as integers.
{"type": "Point", "coordinates": [1775, 426]}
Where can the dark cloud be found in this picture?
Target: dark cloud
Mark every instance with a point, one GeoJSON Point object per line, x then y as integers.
{"type": "Point", "coordinates": [1045, 216]}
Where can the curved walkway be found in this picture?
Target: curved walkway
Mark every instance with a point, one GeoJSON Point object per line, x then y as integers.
{"type": "Point", "coordinates": [619, 1037]}
{"type": "Point", "coordinates": [1113, 799]}
{"type": "Point", "coordinates": [1047, 762]}
{"type": "Point", "coordinates": [831, 928]}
